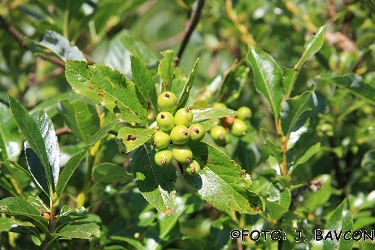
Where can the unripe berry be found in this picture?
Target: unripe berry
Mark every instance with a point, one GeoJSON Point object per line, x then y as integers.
{"type": "Point", "coordinates": [165, 121]}
{"type": "Point", "coordinates": [192, 168]}
{"type": "Point", "coordinates": [183, 116]}
{"type": "Point", "coordinates": [182, 153]}
{"type": "Point", "coordinates": [167, 101]}
{"type": "Point", "coordinates": [219, 105]}
{"type": "Point", "coordinates": [239, 127]}
{"type": "Point", "coordinates": [197, 132]}
{"type": "Point", "coordinates": [163, 157]}
{"type": "Point", "coordinates": [244, 113]}
{"type": "Point", "coordinates": [180, 135]}
{"type": "Point", "coordinates": [220, 135]}
{"type": "Point", "coordinates": [161, 140]}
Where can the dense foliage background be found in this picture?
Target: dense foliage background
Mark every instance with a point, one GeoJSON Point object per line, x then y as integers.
{"type": "Point", "coordinates": [318, 173]}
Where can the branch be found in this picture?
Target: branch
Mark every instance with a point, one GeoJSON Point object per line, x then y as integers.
{"type": "Point", "coordinates": [19, 37]}
{"type": "Point", "coordinates": [191, 24]}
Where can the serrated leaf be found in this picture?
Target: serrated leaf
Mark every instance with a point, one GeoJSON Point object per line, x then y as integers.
{"type": "Point", "coordinates": [78, 230]}
{"type": "Point", "coordinates": [308, 154]}
{"type": "Point", "coordinates": [81, 117]}
{"type": "Point", "coordinates": [353, 83]}
{"type": "Point", "coordinates": [166, 70]}
{"type": "Point", "coordinates": [10, 141]}
{"type": "Point", "coordinates": [167, 222]}
{"type": "Point", "coordinates": [155, 183]}
{"type": "Point", "coordinates": [293, 109]}
{"type": "Point", "coordinates": [268, 76]}
{"type": "Point", "coordinates": [109, 172]}
{"type": "Point", "coordinates": [15, 226]}
{"type": "Point", "coordinates": [276, 151]}
{"type": "Point", "coordinates": [321, 195]}
{"type": "Point", "coordinates": [184, 95]}
{"type": "Point", "coordinates": [178, 81]}
{"type": "Point", "coordinates": [143, 81]}
{"type": "Point", "coordinates": [41, 139]}
{"type": "Point", "coordinates": [221, 182]}
{"type": "Point", "coordinates": [273, 210]}
{"type": "Point", "coordinates": [312, 45]}
{"type": "Point", "coordinates": [340, 222]}
{"type": "Point", "coordinates": [107, 87]}
{"type": "Point", "coordinates": [211, 113]}
{"type": "Point", "coordinates": [37, 170]}
{"type": "Point", "coordinates": [134, 137]}
{"type": "Point", "coordinates": [57, 44]}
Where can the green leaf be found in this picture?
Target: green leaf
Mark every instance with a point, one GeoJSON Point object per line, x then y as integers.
{"type": "Point", "coordinates": [368, 160]}
{"type": "Point", "coordinates": [56, 44]}
{"type": "Point", "coordinates": [78, 230]}
{"type": "Point", "coordinates": [167, 222]}
{"type": "Point", "coordinates": [319, 197]}
{"type": "Point", "coordinates": [134, 137]}
{"type": "Point", "coordinates": [10, 141]}
{"type": "Point", "coordinates": [81, 117]}
{"type": "Point", "coordinates": [102, 133]}
{"type": "Point", "coordinates": [130, 241]}
{"type": "Point", "coordinates": [312, 45]}
{"type": "Point", "coordinates": [308, 154]}
{"type": "Point", "coordinates": [41, 140]}
{"type": "Point", "coordinates": [210, 113]}
{"type": "Point", "coordinates": [36, 170]}
{"type": "Point", "coordinates": [268, 76]}
{"type": "Point", "coordinates": [143, 81]}
{"type": "Point", "coordinates": [277, 204]}
{"type": "Point", "coordinates": [221, 182]}
{"type": "Point", "coordinates": [109, 88]}
{"type": "Point", "coordinates": [340, 222]}
{"type": "Point", "coordinates": [294, 108]}
{"type": "Point", "coordinates": [276, 151]}
{"type": "Point", "coordinates": [353, 83]}
{"type": "Point", "coordinates": [155, 183]}
{"type": "Point", "coordinates": [184, 94]}
{"type": "Point", "coordinates": [15, 226]}
{"type": "Point", "coordinates": [109, 172]}
{"type": "Point", "coordinates": [166, 70]}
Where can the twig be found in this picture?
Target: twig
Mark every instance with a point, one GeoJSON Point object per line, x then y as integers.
{"type": "Point", "coordinates": [191, 24]}
{"type": "Point", "coordinates": [63, 130]}
{"type": "Point", "coordinates": [19, 37]}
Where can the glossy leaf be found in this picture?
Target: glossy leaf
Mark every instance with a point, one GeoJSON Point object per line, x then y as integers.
{"type": "Point", "coordinates": [155, 183]}
{"type": "Point", "coordinates": [77, 230]}
{"type": "Point", "coordinates": [134, 137]}
{"type": "Point", "coordinates": [340, 222]}
{"type": "Point", "coordinates": [15, 226]}
{"type": "Point", "coordinates": [308, 154]}
{"type": "Point", "coordinates": [184, 94]}
{"type": "Point", "coordinates": [109, 172]}
{"type": "Point", "coordinates": [276, 151]}
{"type": "Point", "coordinates": [353, 83]}
{"type": "Point", "coordinates": [143, 81]}
{"type": "Point", "coordinates": [210, 113]}
{"type": "Point", "coordinates": [293, 109]}
{"type": "Point", "coordinates": [368, 160]}
{"type": "Point", "coordinates": [10, 141]}
{"type": "Point", "coordinates": [128, 240]}
{"type": "Point", "coordinates": [167, 222]}
{"type": "Point", "coordinates": [166, 69]}
{"type": "Point", "coordinates": [312, 45]}
{"type": "Point", "coordinates": [81, 117]}
{"type": "Point", "coordinates": [319, 196]}
{"type": "Point", "coordinates": [267, 77]}
{"type": "Point", "coordinates": [58, 45]}
{"type": "Point", "coordinates": [222, 182]}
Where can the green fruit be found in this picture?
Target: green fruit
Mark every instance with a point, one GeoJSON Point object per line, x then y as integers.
{"type": "Point", "coordinates": [220, 135]}
{"type": "Point", "coordinates": [182, 154]}
{"type": "Point", "coordinates": [192, 168]}
{"type": "Point", "coordinates": [167, 101]}
{"type": "Point", "coordinates": [165, 121]}
{"type": "Point", "coordinates": [180, 135]}
{"type": "Point", "coordinates": [163, 157]}
{"type": "Point", "coordinates": [239, 127]}
{"type": "Point", "coordinates": [219, 105]}
{"type": "Point", "coordinates": [161, 140]}
{"type": "Point", "coordinates": [244, 113]}
{"type": "Point", "coordinates": [183, 116]}
{"type": "Point", "coordinates": [197, 132]}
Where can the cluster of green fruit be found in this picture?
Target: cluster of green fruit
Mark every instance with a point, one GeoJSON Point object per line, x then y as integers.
{"type": "Point", "coordinates": [179, 130]}
{"type": "Point", "coordinates": [235, 125]}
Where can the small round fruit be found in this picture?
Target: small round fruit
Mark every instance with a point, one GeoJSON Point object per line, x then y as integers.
{"type": "Point", "coordinates": [220, 135]}
{"type": "Point", "coordinates": [183, 116]}
{"type": "Point", "coordinates": [238, 128]}
{"type": "Point", "coordinates": [161, 140]}
{"type": "Point", "coordinates": [219, 105]}
{"type": "Point", "coordinates": [163, 157]}
{"type": "Point", "coordinates": [222, 142]}
{"type": "Point", "coordinates": [180, 135]}
{"type": "Point", "coordinates": [197, 132]}
{"type": "Point", "coordinates": [182, 154]}
{"type": "Point", "coordinates": [165, 121]}
{"type": "Point", "coordinates": [167, 101]}
{"type": "Point", "coordinates": [192, 168]}
{"type": "Point", "coordinates": [244, 113]}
